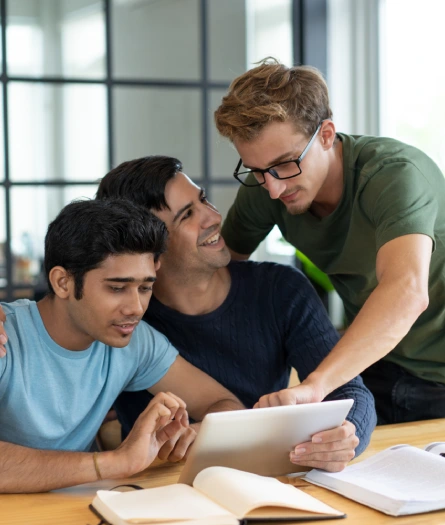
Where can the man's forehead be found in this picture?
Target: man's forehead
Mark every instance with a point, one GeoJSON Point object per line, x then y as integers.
{"type": "Point", "coordinates": [179, 184]}
{"type": "Point", "coordinates": [179, 192]}
{"type": "Point", "coordinates": [276, 141]}
{"type": "Point", "coordinates": [124, 263]}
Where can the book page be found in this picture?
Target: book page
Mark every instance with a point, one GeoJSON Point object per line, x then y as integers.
{"type": "Point", "coordinates": [161, 504]}
{"type": "Point", "coordinates": [240, 492]}
{"type": "Point", "coordinates": [403, 472]}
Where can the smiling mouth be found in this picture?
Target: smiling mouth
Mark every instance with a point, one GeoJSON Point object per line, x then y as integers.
{"type": "Point", "coordinates": [211, 240]}
{"type": "Point", "coordinates": [126, 328]}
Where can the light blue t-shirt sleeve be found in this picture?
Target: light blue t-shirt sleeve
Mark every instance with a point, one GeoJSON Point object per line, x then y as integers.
{"type": "Point", "coordinates": [156, 355]}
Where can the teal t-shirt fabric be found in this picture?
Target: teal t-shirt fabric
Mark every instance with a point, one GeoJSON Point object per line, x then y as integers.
{"type": "Point", "coordinates": [55, 399]}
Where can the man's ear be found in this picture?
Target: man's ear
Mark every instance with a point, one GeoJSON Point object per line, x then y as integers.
{"type": "Point", "coordinates": [327, 134]}
{"type": "Point", "coordinates": [61, 281]}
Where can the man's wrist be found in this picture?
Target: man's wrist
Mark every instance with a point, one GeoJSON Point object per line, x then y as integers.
{"type": "Point", "coordinates": [316, 381]}
{"type": "Point", "coordinates": [113, 465]}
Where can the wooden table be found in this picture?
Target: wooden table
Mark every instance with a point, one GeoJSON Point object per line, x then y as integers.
{"type": "Point", "coordinates": [70, 506]}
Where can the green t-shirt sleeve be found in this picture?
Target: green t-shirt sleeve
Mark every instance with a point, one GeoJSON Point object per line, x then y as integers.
{"type": "Point", "coordinates": [249, 220]}
{"type": "Point", "coordinates": [399, 200]}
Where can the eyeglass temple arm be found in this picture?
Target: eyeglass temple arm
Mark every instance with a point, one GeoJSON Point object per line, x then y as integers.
{"type": "Point", "coordinates": [238, 166]}
{"type": "Point", "coordinates": [309, 144]}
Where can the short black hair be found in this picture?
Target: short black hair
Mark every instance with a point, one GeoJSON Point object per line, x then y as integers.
{"type": "Point", "coordinates": [86, 232]}
{"type": "Point", "coordinates": [141, 180]}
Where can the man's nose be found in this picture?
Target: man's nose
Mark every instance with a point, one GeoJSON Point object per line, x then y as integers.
{"type": "Point", "coordinates": [274, 186]}
{"type": "Point", "coordinates": [210, 216]}
{"type": "Point", "coordinates": [134, 305]}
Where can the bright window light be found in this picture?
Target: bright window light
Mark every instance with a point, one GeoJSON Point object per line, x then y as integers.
{"type": "Point", "coordinates": [413, 74]}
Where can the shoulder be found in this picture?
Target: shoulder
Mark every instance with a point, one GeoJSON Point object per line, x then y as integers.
{"type": "Point", "coordinates": [370, 155]}
{"type": "Point", "coordinates": [366, 147]}
{"type": "Point", "coordinates": [147, 342]}
{"type": "Point", "coordinates": [145, 333]}
{"type": "Point", "coordinates": [22, 305]}
{"type": "Point", "coordinates": [18, 314]}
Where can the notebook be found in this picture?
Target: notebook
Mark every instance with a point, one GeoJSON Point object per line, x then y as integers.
{"type": "Point", "coordinates": [219, 496]}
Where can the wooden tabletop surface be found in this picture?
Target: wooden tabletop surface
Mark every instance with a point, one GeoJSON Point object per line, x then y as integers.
{"type": "Point", "coordinates": [70, 506]}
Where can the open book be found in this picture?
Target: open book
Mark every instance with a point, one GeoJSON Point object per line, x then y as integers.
{"type": "Point", "coordinates": [399, 480]}
{"type": "Point", "coordinates": [219, 496]}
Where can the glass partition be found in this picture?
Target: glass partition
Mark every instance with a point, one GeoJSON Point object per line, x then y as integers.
{"type": "Point", "coordinates": [28, 230]}
{"type": "Point", "coordinates": [56, 38]}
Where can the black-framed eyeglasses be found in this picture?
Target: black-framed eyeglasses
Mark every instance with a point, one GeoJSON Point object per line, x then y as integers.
{"type": "Point", "coordinates": [282, 170]}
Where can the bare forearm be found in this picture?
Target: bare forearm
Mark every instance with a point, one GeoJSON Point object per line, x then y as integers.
{"type": "Point", "coordinates": [381, 324]}
{"type": "Point", "coordinates": [200, 391]}
{"type": "Point", "coordinates": [221, 405]}
{"type": "Point", "coordinates": [30, 470]}
{"type": "Point", "coordinates": [224, 405]}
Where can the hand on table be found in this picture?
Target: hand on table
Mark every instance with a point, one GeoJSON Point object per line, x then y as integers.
{"type": "Point", "coordinates": [329, 450]}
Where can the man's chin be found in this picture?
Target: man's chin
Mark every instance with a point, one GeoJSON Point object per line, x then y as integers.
{"type": "Point", "coordinates": [219, 259]}
{"type": "Point", "coordinates": [297, 208]}
{"type": "Point", "coordinates": [119, 341]}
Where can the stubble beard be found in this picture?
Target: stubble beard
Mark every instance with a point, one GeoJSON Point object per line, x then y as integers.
{"type": "Point", "coordinates": [195, 271]}
{"type": "Point", "coordinates": [297, 208]}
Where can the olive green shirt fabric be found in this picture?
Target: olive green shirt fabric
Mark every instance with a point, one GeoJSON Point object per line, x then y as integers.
{"type": "Point", "coordinates": [390, 190]}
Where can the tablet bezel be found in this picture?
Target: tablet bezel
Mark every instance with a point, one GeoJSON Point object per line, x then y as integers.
{"type": "Point", "coordinates": [259, 440]}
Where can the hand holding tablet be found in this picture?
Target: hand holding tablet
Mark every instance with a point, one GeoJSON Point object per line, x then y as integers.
{"type": "Point", "coordinates": [261, 440]}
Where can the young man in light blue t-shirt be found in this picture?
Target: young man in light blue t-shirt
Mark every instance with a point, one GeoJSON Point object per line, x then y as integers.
{"type": "Point", "coordinates": [73, 352]}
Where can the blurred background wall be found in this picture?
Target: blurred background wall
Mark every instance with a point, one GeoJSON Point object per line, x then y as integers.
{"type": "Point", "coordinates": [87, 84]}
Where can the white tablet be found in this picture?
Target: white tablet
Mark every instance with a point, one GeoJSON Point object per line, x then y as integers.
{"type": "Point", "coordinates": [259, 440]}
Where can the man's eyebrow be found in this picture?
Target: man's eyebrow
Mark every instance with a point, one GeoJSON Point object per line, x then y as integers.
{"type": "Point", "coordinates": [202, 193]}
{"type": "Point", "coordinates": [182, 210]}
{"type": "Point", "coordinates": [149, 279]}
{"type": "Point", "coordinates": [276, 160]}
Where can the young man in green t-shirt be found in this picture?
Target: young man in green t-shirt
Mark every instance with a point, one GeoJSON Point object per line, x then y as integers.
{"type": "Point", "coordinates": [368, 211]}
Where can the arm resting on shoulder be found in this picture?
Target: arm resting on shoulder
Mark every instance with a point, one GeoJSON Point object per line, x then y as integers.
{"type": "Point", "coordinates": [3, 336]}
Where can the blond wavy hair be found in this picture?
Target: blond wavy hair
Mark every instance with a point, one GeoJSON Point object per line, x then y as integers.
{"type": "Point", "coordinates": [273, 92]}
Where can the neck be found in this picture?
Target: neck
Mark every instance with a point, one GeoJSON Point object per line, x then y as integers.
{"type": "Point", "coordinates": [329, 196]}
{"type": "Point", "coordinates": [60, 327]}
{"type": "Point", "coordinates": [194, 296]}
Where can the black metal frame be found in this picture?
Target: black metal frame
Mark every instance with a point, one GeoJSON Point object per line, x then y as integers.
{"type": "Point", "coordinates": [310, 34]}
{"type": "Point", "coordinates": [305, 13]}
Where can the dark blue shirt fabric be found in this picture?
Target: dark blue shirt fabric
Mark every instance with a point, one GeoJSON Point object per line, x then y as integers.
{"type": "Point", "coordinates": [271, 320]}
